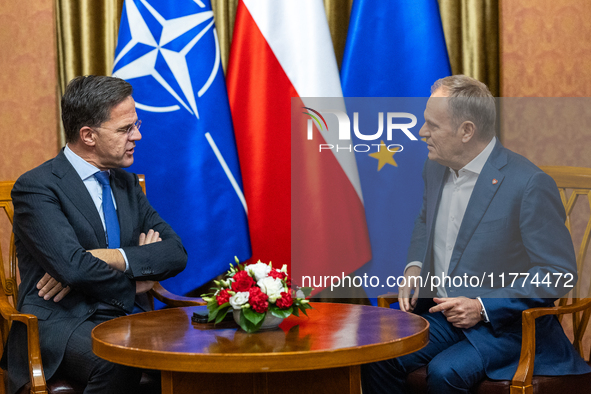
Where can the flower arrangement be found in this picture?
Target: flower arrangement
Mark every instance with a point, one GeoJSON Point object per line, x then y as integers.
{"type": "Point", "coordinates": [256, 290]}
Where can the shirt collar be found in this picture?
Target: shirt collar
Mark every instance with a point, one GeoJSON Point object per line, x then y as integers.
{"type": "Point", "coordinates": [84, 169]}
{"type": "Point", "coordinates": [479, 161]}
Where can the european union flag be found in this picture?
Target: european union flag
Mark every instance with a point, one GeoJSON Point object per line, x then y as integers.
{"type": "Point", "coordinates": [393, 49]}
{"type": "Point", "coordinates": [169, 52]}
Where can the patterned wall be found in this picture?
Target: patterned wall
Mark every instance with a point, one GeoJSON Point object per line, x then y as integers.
{"type": "Point", "coordinates": [28, 83]}
{"type": "Point", "coordinates": [546, 52]}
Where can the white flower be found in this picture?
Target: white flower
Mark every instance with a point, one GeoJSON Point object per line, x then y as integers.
{"type": "Point", "coordinates": [300, 294]}
{"type": "Point", "coordinates": [271, 287]}
{"type": "Point", "coordinates": [258, 270]}
{"type": "Point", "coordinates": [239, 299]}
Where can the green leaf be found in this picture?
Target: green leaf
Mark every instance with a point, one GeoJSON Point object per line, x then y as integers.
{"type": "Point", "coordinates": [307, 290]}
{"type": "Point", "coordinates": [221, 315]}
{"type": "Point", "coordinates": [303, 308]}
{"type": "Point", "coordinates": [214, 309]}
{"type": "Point", "coordinates": [296, 311]}
{"type": "Point", "coordinates": [247, 325]}
{"type": "Point", "coordinates": [252, 316]}
{"type": "Point", "coordinates": [282, 313]}
{"type": "Point", "coordinates": [271, 307]}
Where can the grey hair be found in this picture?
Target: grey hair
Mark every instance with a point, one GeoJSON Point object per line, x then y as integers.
{"type": "Point", "coordinates": [470, 100]}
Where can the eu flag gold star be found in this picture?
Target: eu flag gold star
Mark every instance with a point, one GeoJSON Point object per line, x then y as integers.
{"type": "Point", "coordinates": [385, 156]}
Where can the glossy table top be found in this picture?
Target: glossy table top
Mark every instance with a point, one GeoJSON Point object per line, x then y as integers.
{"type": "Point", "coordinates": [334, 335]}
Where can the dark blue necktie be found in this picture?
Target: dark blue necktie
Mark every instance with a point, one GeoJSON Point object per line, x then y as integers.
{"type": "Point", "coordinates": [111, 220]}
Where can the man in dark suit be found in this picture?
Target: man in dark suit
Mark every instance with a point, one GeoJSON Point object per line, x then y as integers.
{"type": "Point", "coordinates": [486, 212]}
{"type": "Point", "coordinates": [87, 239]}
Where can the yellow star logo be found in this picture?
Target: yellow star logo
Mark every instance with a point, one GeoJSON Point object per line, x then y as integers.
{"type": "Point", "coordinates": [385, 156]}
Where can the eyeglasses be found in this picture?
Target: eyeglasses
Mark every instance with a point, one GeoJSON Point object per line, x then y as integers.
{"type": "Point", "coordinates": [129, 130]}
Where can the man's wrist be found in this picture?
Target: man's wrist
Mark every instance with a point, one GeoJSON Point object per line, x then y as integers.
{"type": "Point", "coordinates": [417, 264]}
{"type": "Point", "coordinates": [113, 257]}
{"type": "Point", "coordinates": [483, 314]}
{"type": "Point", "coordinates": [124, 258]}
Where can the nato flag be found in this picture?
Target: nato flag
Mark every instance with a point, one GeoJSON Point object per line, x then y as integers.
{"type": "Point", "coordinates": [394, 49]}
{"type": "Point", "coordinates": [169, 52]}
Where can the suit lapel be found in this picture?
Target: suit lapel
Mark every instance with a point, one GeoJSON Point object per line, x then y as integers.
{"type": "Point", "coordinates": [121, 193]}
{"type": "Point", "coordinates": [70, 183]}
{"type": "Point", "coordinates": [489, 181]}
{"type": "Point", "coordinates": [434, 188]}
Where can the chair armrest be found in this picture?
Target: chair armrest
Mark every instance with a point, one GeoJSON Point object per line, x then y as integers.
{"type": "Point", "coordinates": [36, 374]}
{"type": "Point", "coordinates": [522, 379]}
{"type": "Point", "coordinates": [385, 300]}
{"type": "Point", "coordinates": [163, 295]}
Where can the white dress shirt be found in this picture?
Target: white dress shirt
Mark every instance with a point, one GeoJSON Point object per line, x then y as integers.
{"type": "Point", "coordinates": [455, 196]}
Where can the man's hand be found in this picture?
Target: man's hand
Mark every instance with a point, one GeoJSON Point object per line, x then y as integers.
{"type": "Point", "coordinates": [461, 312]}
{"type": "Point", "coordinates": [151, 237]}
{"type": "Point", "coordinates": [51, 288]}
{"type": "Point", "coordinates": [143, 286]}
{"type": "Point", "coordinates": [404, 292]}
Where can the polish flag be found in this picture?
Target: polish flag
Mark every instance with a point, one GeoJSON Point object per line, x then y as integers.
{"type": "Point", "coordinates": [305, 207]}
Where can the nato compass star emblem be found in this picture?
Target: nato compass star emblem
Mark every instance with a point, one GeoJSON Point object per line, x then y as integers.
{"type": "Point", "coordinates": [160, 48]}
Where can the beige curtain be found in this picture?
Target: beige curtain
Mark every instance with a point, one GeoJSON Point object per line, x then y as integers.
{"type": "Point", "coordinates": [224, 14]}
{"type": "Point", "coordinates": [86, 40]}
{"type": "Point", "coordinates": [86, 37]}
{"type": "Point", "coordinates": [471, 31]}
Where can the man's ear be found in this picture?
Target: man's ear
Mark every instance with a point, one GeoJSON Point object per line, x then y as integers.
{"type": "Point", "coordinates": [467, 129]}
{"type": "Point", "coordinates": [87, 136]}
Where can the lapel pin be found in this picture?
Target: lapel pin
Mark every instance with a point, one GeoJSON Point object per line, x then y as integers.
{"type": "Point", "coordinates": [495, 182]}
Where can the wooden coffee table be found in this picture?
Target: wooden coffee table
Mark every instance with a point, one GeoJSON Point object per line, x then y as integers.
{"type": "Point", "coordinates": [321, 353]}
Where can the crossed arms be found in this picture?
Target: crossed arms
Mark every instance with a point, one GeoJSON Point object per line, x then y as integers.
{"type": "Point", "coordinates": [50, 288]}
{"type": "Point", "coordinates": [57, 242]}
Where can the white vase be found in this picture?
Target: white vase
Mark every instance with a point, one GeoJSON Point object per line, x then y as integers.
{"type": "Point", "coordinates": [269, 322]}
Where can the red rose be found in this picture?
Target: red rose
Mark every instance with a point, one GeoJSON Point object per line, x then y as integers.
{"type": "Point", "coordinates": [258, 300]}
{"type": "Point", "coordinates": [242, 281]}
{"type": "Point", "coordinates": [223, 297]}
{"type": "Point", "coordinates": [276, 274]}
{"type": "Point", "coordinates": [285, 301]}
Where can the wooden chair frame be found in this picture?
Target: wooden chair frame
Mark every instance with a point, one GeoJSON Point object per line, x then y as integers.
{"type": "Point", "coordinates": [579, 180]}
{"type": "Point", "coordinates": [10, 290]}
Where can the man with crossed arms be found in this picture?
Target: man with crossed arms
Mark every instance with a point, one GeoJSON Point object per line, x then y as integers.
{"type": "Point", "coordinates": [485, 210]}
{"type": "Point", "coordinates": [81, 221]}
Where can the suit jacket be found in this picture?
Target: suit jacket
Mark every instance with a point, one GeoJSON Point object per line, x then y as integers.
{"type": "Point", "coordinates": [55, 223]}
{"type": "Point", "coordinates": [514, 223]}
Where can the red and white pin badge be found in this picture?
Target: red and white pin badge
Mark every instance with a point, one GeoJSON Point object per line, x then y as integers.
{"type": "Point", "coordinates": [495, 181]}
